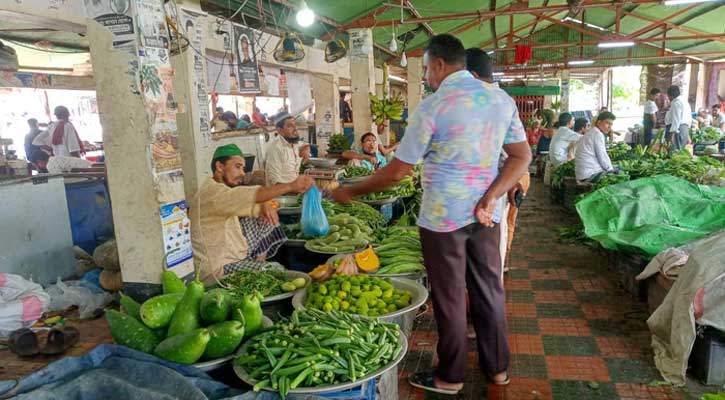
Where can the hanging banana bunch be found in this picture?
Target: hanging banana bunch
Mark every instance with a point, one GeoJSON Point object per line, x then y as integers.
{"type": "Point", "coordinates": [386, 109]}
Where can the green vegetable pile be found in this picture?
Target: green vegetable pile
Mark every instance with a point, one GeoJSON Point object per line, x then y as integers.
{"type": "Point", "coordinates": [186, 324]}
{"type": "Point", "coordinates": [315, 349]}
{"type": "Point", "coordinates": [352, 171]}
{"type": "Point", "coordinates": [708, 134]}
{"type": "Point", "coordinates": [564, 170]}
{"type": "Point", "coordinates": [267, 283]}
{"type": "Point", "coordinates": [347, 234]}
{"type": "Point", "coordinates": [400, 252]}
{"type": "Point", "coordinates": [337, 144]}
{"type": "Point", "coordinates": [404, 188]}
{"type": "Point", "coordinates": [357, 294]}
{"type": "Point", "coordinates": [359, 210]}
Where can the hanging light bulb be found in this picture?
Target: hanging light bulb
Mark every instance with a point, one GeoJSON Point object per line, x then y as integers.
{"type": "Point", "coordinates": [305, 16]}
{"type": "Point", "coordinates": [393, 45]}
{"type": "Point", "coordinates": [404, 61]}
{"type": "Point", "coordinates": [393, 42]}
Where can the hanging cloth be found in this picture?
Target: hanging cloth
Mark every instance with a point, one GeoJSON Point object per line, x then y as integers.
{"type": "Point", "coordinates": [522, 54]}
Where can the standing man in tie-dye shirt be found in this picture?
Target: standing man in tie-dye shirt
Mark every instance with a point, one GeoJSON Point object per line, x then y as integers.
{"type": "Point", "coordinates": [459, 132]}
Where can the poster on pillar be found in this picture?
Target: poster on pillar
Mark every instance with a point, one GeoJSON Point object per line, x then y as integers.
{"type": "Point", "coordinates": [157, 85]}
{"type": "Point", "coordinates": [165, 152]}
{"type": "Point", "coordinates": [176, 228]}
{"type": "Point", "coordinates": [116, 16]}
{"type": "Point", "coordinates": [191, 24]}
{"type": "Point", "coordinates": [326, 127]}
{"type": "Point", "coordinates": [245, 58]}
{"type": "Point", "coordinates": [152, 32]}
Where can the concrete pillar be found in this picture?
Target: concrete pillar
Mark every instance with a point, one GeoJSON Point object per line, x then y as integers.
{"type": "Point", "coordinates": [564, 91]}
{"type": "Point", "coordinates": [362, 76]}
{"type": "Point", "coordinates": [415, 85]}
{"type": "Point", "coordinates": [383, 89]}
{"type": "Point", "coordinates": [190, 84]}
{"type": "Point", "coordinates": [139, 185]}
{"type": "Point", "coordinates": [326, 92]}
{"type": "Point", "coordinates": [698, 94]}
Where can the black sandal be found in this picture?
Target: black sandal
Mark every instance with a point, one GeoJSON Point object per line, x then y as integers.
{"type": "Point", "coordinates": [60, 340]}
{"type": "Point", "coordinates": [24, 343]}
{"type": "Point", "coordinates": [426, 381]}
{"type": "Point", "coordinates": [500, 382]}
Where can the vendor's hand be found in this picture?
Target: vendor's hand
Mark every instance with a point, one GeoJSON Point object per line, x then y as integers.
{"type": "Point", "coordinates": [269, 214]}
{"type": "Point", "coordinates": [342, 196]}
{"type": "Point", "coordinates": [306, 151]}
{"type": "Point", "coordinates": [372, 160]}
{"type": "Point", "coordinates": [512, 193]}
{"type": "Point", "coordinates": [302, 184]}
{"type": "Point", "coordinates": [484, 211]}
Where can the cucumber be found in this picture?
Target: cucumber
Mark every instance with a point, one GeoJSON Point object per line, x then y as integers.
{"type": "Point", "coordinates": [224, 338]}
{"type": "Point", "coordinates": [186, 348]}
{"type": "Point", "coordinates": [215, 306]}
{"type": "Point", "coordinates": [334, 237]}
{"type": "Point", "coordinates": [130, 332]}
{"type": "Point", "coordinates": [186, 316]}
{"type": "Point", "coordinates": [130, 307]}
{"type": "Point", "coordinates": [156, 312]}
{"type": "Point", "coordinates": [171, 283]}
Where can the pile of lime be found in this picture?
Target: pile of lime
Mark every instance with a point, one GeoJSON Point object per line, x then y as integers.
{"type": "Point", "coordinates": [358, 294]}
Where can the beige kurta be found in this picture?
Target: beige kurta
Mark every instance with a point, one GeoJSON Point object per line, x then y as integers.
{"type": "Point", "coordinates": [216, 234]}
{"type": "Point", "coordinates": [283, 161]}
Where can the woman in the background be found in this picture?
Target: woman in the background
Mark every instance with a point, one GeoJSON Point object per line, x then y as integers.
{"type": "Point", "coordinates": [534, 132]}
{"type": "Point", "coordinates": [371, 154]}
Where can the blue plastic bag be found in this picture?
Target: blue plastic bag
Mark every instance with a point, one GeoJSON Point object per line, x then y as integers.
{"type": "Point", "coordinates": [314, 221]}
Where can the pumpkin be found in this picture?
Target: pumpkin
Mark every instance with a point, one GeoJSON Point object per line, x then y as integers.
{"type": "Point", "coordinates": [367, 260]}
{"type": "Point", "coordinates": [111, 280]}
{"type": "Point", "coordinates": [322, 272]}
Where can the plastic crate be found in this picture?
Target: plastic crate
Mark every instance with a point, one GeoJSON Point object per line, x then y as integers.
{"type": "Point", "coordinates": [366, 391]}
{"type": "Point", "coordinates": [708, 357]}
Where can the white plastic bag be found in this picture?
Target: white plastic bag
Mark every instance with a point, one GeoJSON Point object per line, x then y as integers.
{"type": "Point", "coordinates": [22, 302]}
{"type": "Point", "coordinates": [75, 293]}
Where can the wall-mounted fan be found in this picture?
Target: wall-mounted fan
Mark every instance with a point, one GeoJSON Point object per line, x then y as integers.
{"type": "Point", "coordinates": [289, 48]}
{"type": "Point", "coordinates": [335, 50]}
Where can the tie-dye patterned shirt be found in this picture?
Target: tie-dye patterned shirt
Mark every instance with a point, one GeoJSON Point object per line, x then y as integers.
{"type": "Point", "coordinates": [459, 132]}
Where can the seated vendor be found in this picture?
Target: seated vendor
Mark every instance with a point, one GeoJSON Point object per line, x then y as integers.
{"type": "Point", "coordinates": [592, 161]}
{"type": "Point", "coordinates": [563, 141]}
{"type": "Point", "coordinates": [47, 164]}
{"type": "Point", "coordinates": [372, 154]}
{"type": "Point", "coordinates": [233, 224]}
{"type": "Point", "coordinates": [285, 153]}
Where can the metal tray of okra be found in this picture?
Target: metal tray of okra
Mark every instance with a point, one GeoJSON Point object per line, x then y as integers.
{"type": "Point", "coordinates": [402, 341]}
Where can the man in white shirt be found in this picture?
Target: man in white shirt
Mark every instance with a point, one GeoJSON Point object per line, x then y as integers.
{"type": "Point", "coordinates": [681, 119]}
{"type": "Point", "coordinates": [649, 120]}
{"type": "Point", "coordinates": [703, 118]}
{"type": "Point", "coordinates": [563, 141]}
{"type": "Point", "coordinates": [285, 154]}
{"type": "Point", "coordinates": [61, 136]}
{"type": "Point", "coordinates": [718, 119]}
{"type": "Point", "coordinates": [592, 161]}
{"type": "Point", "coordinates": [57, 164]}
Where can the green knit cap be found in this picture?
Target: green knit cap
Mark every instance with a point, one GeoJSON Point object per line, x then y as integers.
{"type": "Point", "coordinates": [227, 151]}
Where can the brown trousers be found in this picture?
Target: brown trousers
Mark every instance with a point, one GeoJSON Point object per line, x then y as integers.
{"type": "Point", "coordinates": [468, 258]}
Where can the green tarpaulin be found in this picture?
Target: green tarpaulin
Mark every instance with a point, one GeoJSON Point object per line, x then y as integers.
{"type": "Point", "coordinates": [652, 214]}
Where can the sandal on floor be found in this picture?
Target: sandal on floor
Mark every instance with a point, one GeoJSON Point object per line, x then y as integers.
{"type": "Point", "coordinates": [60, 340]}
{"type": "Point", "coordinates": [24, 343]}
{"type": "Point", "coordinates": [500, 382]}
{"type": "Point", "coordinates": [426, 381]}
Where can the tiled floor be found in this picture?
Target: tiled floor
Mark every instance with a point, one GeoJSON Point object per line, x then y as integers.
{"type": "Point", "coordinates": [573, 333]}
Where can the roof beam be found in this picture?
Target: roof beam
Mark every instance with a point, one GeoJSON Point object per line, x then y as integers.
{"type": "Point", "coordinates": [660, 22]}
{"type": "Point", "coordinates": [670, 25]}
{"type": "Point", "coordinates": [594, 43]}
{"type": "Point", "coordinates": [365, 21]}
{"type": "Point", "coordinates": [626, 58]}
{"type": "Point", "coordinates": [507, 11]}
{"type": "Point", "coordinates": [416, 14]}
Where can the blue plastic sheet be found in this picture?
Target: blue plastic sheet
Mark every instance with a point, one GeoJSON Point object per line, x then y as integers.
{"type": "Point", "coordinates": [112, 372]}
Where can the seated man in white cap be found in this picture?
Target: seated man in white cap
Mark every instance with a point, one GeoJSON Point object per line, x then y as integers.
{"type": "Point", "coordinates": [285, 153]}
{"type": "Point", "coordinates": [232, 226]}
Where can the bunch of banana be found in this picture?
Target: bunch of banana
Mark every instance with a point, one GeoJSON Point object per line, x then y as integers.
{"type": "Point", "coordinates": [385, 109]}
